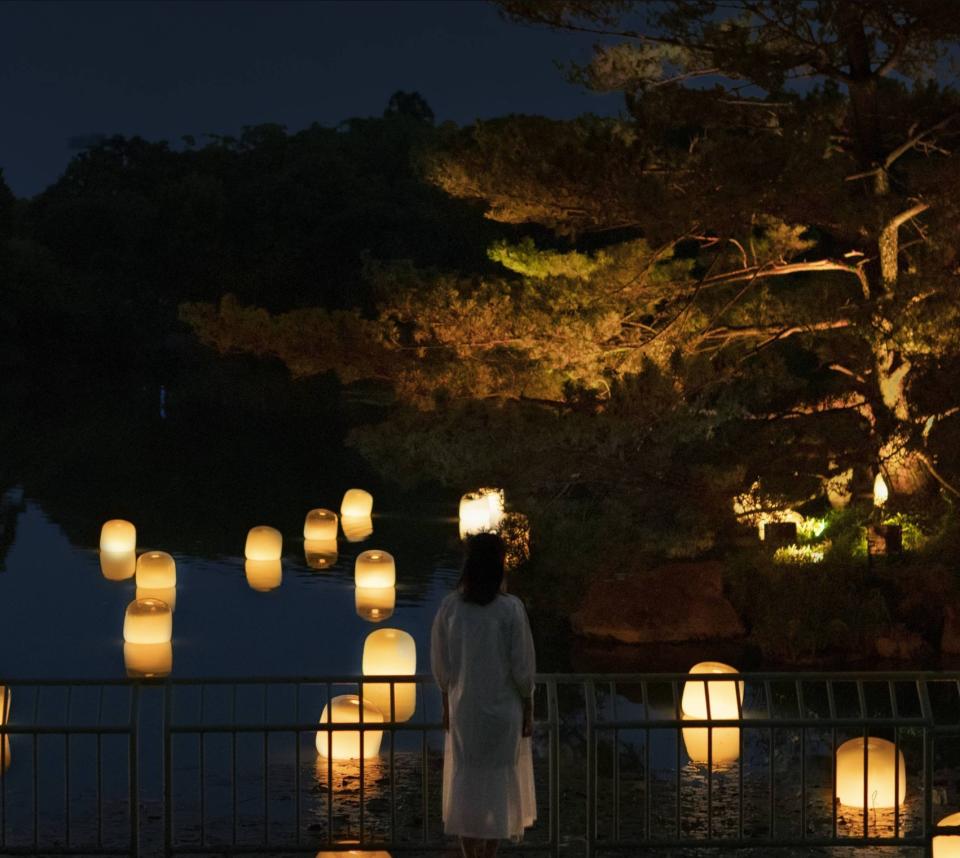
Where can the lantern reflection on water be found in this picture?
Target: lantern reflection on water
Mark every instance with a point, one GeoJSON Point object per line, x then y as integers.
{"type": "Point", "coordinates": [263, 575]}
{"type": "Point", "coordinates": [375, 568]}
{"type": "Point", "coordinates": [881, 773]}
{"type": "Point", "coordinates": [148, 621]}
{"type": "Point", "coordinates": [356, 503]}
{"type": "Point", "coordinates": [719, 745]}
{"type": "Point", "coordinates": [156, 569]}
{"type": "Point", "coordinates": [947, 845]}
{"type": "Point", "coordinates": [263, 543]}
{"type": "Point", "coordinates": [320, 553]}
{"type": "Point", "coordinates": [375, 603]}
{"type": "Point", "coordinates": [4, 717]}
{"type": "Point", "coordinates": [320, 524]}
{"type": "Point", "coordinates": [359, 853]}
{"type": "Point", "coordinates": [356, 528]}
{"type": "Point", "coordinates": [345, 744]}
{"type": "Point", "coordinates": [391, 652]}
{"type": "Point", "coordinates": [118, 566]}
{"type": "Point", "coordinates": [146, 660]}
{"type": "Point", "coordinates": [118, 536]}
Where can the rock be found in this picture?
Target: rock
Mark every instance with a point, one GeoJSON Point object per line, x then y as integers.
{"type": "Point", "coordinates": [899, 643]}
{"type": "Point", "coordinates": [674, 602]}
{"type": "Point", "coordinates": [950, 638]}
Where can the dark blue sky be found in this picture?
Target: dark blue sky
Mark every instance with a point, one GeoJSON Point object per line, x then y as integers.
{"type": "Point", "coordinates": [164, 69]}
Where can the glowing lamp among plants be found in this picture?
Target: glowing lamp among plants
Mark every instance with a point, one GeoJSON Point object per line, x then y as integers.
{"type": "Point", "coordinates": [947, 845]}
{"type": "Point", "coordinates": [480, 511]}
{"type": "Point", "coordinates": [356, 503]}
{"type": "Point", "coordinates": [148, 621]}
{"type": "Point", "coordinates": [375, 568]}
{"type": "Point", "coordinates": [345, 744]}
{"type": "Point", "coordinates": [881, 494]}
{"type": "Point", "coordinates": [320, 553]}
{"type": "Point", "coordinates": [118, 566]}
{"type": "Point", "coordinates": [320, 524]}
{"type": "Point", "coordinates": [263, 543]}
{"type": "Point", "coordinates": [148, 660]}
{"type": "Point", "coordinates": [375, 604]}
{"type": "Point", "coordinates": [391, 652]}
{"type": "Point", "coordinates": [263, 575]}
{"type": "Point", "coordinates": [881, 780]}
{"type": "Point", "coordinates": [118, 536]}
{"type": "Point", "coordinates": [156, 569]}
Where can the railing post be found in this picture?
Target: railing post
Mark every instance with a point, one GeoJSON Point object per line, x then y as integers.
{"type": "Point", "coordinates": [927, 712]}
{"type": "Point", "coordinates": [134, 752]}
{"type": "Point", "coordinates": [591, 703]}
{"type": "Point", "coordinates": [553, 725]}
{"type": "Point", "coordinates": [168, 770]}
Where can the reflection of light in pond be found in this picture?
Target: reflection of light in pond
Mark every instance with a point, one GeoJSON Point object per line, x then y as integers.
{"type": "Point", "coordinates": [356, 503]}
{"type": "Point", "coordinates": [4, 717]}
{"type": "Point", "coordinates": [375, 603]}
{"type": "Point", "coordinates": [345, 709]}
{"type": "Point", "coordinates": [263, 543]}
{"type": "Point", "coordinates": [118, 566]}
{"type": "Point", "coordinates": [881, 774]}
{"type": "Point", "coordinates": [263, 575]}
{"type": "Point", "coordinates": [118, 536]}
{"type": "Point", "coordinates": [156, 569]}
{"type": "Point", "coordinates": [320, 524]}
{"type": "Point", "coordinates": [148, 621]}
{"type": "Point", "coordinates": [375, 568]}
{"type": "Point", "coordinates": [947, 845]}
{"type": "Point", "coordinates": [148, 659]}
{"type": "Point", "coordinates": [356, 528]}
{"type": "Point", "coordinates": [164, 594]}
{"type": "Point", "coordinates": [361, 853]}
{"type": "Point", "coordinates": [391, 652]}
{"type": "Point", "coordinates": [320, 553]}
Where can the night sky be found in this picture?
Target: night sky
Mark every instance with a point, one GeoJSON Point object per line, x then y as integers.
{"type": "Point", "coordinates": [165, 69]}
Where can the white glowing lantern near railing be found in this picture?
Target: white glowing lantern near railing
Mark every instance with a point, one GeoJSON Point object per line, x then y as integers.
{"type": "Point", "coordinates": [148, 621]}
{"type": "Point", "coordinates": [881, 494]}
{"type": "Point", "coordinates": [156, 569]}
{"type": "Point", "coordinates": [263, 543]}
{"type": "Point", "coordinates": [881, 773]}
{"type": "Point", "coordinates": [164, 594]}
{"type": "Point", "coordinates": [118, 566]}
{"type": "Point", "coordinates": [391, 652]}
{"type": "Point", "coordinates": [263, 575]}
{"type": "Point", "coordinates": [375, 604]}
{"type": "Point", "coordinates": [4, 718]}
{"type": "Point", "coordinates": [480, 511]}
{"type": "Point", "coordinates": [357, 529]}
{"type": "Point", "coordinates": [118, 536]}
{"type": "Point", "coordinates": [345, 744]}
{"type": "Point", "coordinates": [320, 524]}
{"type": "Point", "coordinates": [320, 553]}
{"type": "Point", "coordinates": [375, 568]}
{"type": "Point", "coordinates": [719, 745]}
{"type": "Point", "coordinates": [947, 845]}
{"type": "Point", "coordinates": [356, 503]}
{"type": "Point", "coordinates": [146, 660]}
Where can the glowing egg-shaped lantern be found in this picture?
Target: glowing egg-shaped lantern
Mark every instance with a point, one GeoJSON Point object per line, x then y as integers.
{"type": "Point", "coordinates": [263, 543]}
{"type": "Point", "coordinates": [717, 745]}
{"type": "Point", "coordinates": [880, 491]}
{"type": "Point", "coordinates": [118, 536]}
{"type": "Point", "coordinates": [375, 604]}
{"type": "Point", "coordinates": [4, 717]}
{"type": "Point", "coordinates": [356, 503]}
{"type": "Point", "coordinates": [947, 845]}
{"type": "Point", "coordinates": [320, 524]}
{"type": "Point", "coordinates": [118, 566]}
{"type": "Point", "coordinates": [345, 744]}
{"type": "Point", "coordinates": [164, 594]}
{"type": "Point", "coordinates": [320, 553]}
{"type": "Point", "coordinates": [358, 528]}
{"type": "Point", "coordinates": [724, 696]}
{"type": "Point", "coordinates": [375, 568]}
{"type": "Point", "coordinates": [148, 621]}
{"type": "Point", "coordinates": [391, 652]}
{"type": "Point", "coordinates": [156, 569]}
{"type": "Point", "coordinates": [881, 773]}
{"type": "Point", "coordinates": [146, 660]}
{"type": "Point", "coordinates": [263, 575]}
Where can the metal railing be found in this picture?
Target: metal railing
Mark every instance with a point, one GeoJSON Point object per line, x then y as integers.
{"type": "Point", "coordinates": [232, 766]}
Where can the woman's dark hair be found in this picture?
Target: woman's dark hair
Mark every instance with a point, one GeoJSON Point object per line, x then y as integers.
{"type": "Point", "coordinates": [482, 572]}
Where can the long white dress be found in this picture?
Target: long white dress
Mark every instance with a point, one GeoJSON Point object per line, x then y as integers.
{"type": "Point", "coordinates": [483, 658]}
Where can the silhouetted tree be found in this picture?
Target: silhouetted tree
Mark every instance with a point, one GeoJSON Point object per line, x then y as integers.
{"type": "Point", "coordinates": [410, 105]}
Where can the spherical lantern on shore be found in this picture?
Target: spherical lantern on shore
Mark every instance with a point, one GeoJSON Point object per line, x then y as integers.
{"type": "Point", "coordinates": [947, 845]}
{"type": "Point", "coordinates": [356, 503]}
{"type": "Point", "coordinates": [375, 604]}
{"type": "Point", "coordinates": [320, 524]}
{"type": "Point", "coordinates": [156, 569]}
{"type": "Point", "coordinates": [357, 528]}
{"type": "Point", "coordinates": [723, 696]}
{"type": "Point", "coordinates": [717, 745]}
{"type": "Point", "coordinates": [391, 652]}
{"type": "Point", "coordinates": [345, 744]}
{"type": "Point", "coordinates": [148, 621]}
{"type": "Point", "coordinates": [263, 543]}
{"type": "Point", "coordinates": [881, 773]}
{"type": "Point", "coordinates": [263, 575]}
{"type": "Point", "coordinates": [118, 536]}
{"type": "Point", "coordinates": [118, 566]}
{"type": "Point", "coordinates": [148, 660]}
{"type": "Point", "coordinates": [320, 553]}
{"type": "Point", "coordinates": [375, 568]}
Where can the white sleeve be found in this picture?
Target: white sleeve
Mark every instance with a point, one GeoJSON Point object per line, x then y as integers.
{"type": "Point", "coordinates": [439, 651]}
{"type": "Point", "coordinates": [523, 659]}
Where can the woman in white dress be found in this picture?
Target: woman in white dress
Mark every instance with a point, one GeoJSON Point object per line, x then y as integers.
{"type": "Point", "coordinates": [483, 661]}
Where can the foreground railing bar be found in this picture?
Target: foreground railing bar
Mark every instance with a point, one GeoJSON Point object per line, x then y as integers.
{"type": "Point", "coordinates": [61, 729]}
{"type": "Point", "coordinates": [66, 779]}
{"type": "Point", "coordinates": [100, 768]}
{"type": "Point", "coordinates": [393, 763]}
{"type": "Point", "coordinates": [303, 726]}
{"type": "Point", "coordinates": [616, 764]}
{"type": "Point", "coordinates": [233, 759]}
{"type": "Point", "coordinates": [363, 736]}
{"type": "Point", "coordinates": [134, 770]}
{"type": "Point", "coordinates": [759, 723]}
{"type": "Point", "coordinates": [425, 782]}
{"type": "Point", "coordinates": [676, 711]}
{"type": "Point", "coordinates": [896, 782]}
{"type": "Point", "coordinates": [36, 794]}
{"type": "Point", "coordinates": [553, 718]}
{"type": "Point", "coordinates": [866, 782]}
{"type": "Point", "coordinates": [168, 772]}
{"type": "Point", "coordinates": [763, 843]}
{"type": "Point", "coordinates": [591, 792]}
{"type": "Point", "coordinates": [927, 711]}
{"type": "Point", "coordinates": [329, 723]}
{"type": "Point", "coordinates": [298, 741]}
{"type": "Point", "coordinates": [647, 781]}
{"type": "Point", "coordinates": [203, 769]}
{"type": "Point", "coordinates": [405, 847]}
{"type": "Point", "coordinates": [72, 850]}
